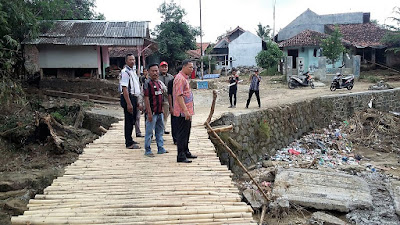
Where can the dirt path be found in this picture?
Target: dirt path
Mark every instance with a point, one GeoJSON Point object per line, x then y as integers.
{"type": "Point", "coordinates": [271, 93]}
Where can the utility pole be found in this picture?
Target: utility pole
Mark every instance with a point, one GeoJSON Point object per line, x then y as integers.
{"type": "Point", "coordinates": [201, 46]}
{"type": "Point", "coordinates": [273, 29]}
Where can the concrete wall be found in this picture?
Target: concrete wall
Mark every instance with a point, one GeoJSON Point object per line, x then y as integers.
{"type": "Point", "coordinates": [53, 56]}
{"type": "Point", "coordinates": [244, 49]}
{"type": "Point", "coordinates": [393, 60]}
{"type": "Point", "coordinates": [284, 124]}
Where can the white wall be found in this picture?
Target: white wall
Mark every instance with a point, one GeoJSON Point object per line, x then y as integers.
{"type": "Point", "coordinates": [54, 56]}
{"type": "Point", "coordinates": [244, 49]}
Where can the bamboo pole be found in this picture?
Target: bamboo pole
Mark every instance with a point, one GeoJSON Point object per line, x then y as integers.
{"type": "Point", "coordinates": [384, 66]}
{"type": "Point", "coordinates": [212, 107]}
{"type": "Point", "coordinates": [264, 209]}
{"type": "Point", "coordinates": [229, 150]}
{"type": "Point", "coordinates": [222, 129]}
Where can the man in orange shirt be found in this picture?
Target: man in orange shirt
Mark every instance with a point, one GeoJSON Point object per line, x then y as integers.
{"type": "Point", "coordinates": [183, 110]}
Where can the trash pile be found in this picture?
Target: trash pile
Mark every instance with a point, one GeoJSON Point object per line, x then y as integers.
{"type": "Point", "coordinates": [334, 146]}
{"type": "Point", "coordinates": [328, 147]}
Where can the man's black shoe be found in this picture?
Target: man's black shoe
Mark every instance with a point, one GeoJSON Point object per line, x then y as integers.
{"type": "Point", "coordinates": [191, 156]}
{"type": "Point", "coordinates": [184, 161]}
{"type": "Point", "coordinates": [139, 135]}
{"type": "Point", "coordinates": [166, 132]}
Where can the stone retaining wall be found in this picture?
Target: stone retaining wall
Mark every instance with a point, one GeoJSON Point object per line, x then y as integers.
{"type": "Point", "coordinates": [263, 132]}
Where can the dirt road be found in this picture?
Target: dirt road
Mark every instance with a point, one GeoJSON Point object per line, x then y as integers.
{"type": "Point", "coordinates": [271, 93]}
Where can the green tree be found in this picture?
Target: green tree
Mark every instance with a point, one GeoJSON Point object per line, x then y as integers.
{"type": "Point", "coordinates": [17, 22]}
{"type": "Point", "coordinates": [65, 10]}
{"type": "Point", "coordinates": [173, 35]}
{"type": "Point", "coordinates": [392, 38]}
{"type": "Point", "coordinates": [263, 31]}
{"type": "Point", "coordinates": [332, 46]}
{"type": "Point", "coordinates": [269, 59]}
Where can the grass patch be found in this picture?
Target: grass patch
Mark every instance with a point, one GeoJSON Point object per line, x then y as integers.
{"type": "Point", "coordinates": [370, 78]}
{"type": "Point", "coordinates": [264, 128]}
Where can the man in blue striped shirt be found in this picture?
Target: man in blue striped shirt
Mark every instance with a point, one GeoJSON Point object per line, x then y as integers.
{"type": "Point", "coordinates": [254, 88]}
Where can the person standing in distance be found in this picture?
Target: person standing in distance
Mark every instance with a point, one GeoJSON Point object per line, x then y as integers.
{"type": "Point", "coordinates": [254, 88]}
{"type": "Point", "coordinates": [165, 77]}
{"type": "Point", "coordinates": [183, 110]}
{"type": "Point", "coordinates": [130, 91]}
{"type": "Point", "coordinates": [233, 82]}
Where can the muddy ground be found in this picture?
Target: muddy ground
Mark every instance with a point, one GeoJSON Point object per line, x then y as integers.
{"type": "Point", "coordinates": [29, 163]}
{"type": "Point", "coordinates": [30, 159]}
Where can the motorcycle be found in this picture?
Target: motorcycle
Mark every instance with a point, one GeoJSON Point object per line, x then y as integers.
{"type": "Point", "coordinates": [301, 81]}
{"type": "Point", "coordinates": [340, 82]}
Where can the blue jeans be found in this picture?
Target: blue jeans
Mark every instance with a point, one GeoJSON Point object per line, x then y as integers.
{"type": "Point", "coordinates": [156, 124]}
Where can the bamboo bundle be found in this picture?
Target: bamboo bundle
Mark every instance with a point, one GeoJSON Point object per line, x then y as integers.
{"type": "Point", "coordinates": [159, 210]}
{"type": "Point", "coordinates": [232, 221]}
{"type": "Point", "coordinates": [98, 218]}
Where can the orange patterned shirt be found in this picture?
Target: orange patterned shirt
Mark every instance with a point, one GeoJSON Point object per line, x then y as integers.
{"type": "Point", "coordinates": [181, 87]}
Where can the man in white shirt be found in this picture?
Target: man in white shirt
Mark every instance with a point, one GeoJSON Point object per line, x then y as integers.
{"type": "Point", "coordinates": [130, 91]}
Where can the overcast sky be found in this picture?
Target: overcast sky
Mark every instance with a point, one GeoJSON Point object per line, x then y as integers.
{"type": "Point", "coordinates": [218, 16]}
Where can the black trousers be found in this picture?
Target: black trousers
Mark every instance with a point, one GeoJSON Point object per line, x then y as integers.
{"type": "Point", "coordinates": [183, 133]}
{"type": "Point", "coordinates": [232, 93]}
{"type": "Point", "coordinates": [173, 128]}
{"type": "Point", "coordinates": [251, 94]}
{"type": "Point", "coordinates": [129, 119]}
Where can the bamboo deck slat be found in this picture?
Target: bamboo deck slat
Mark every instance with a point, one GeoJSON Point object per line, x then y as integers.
{"type": "Point", "coordinates": [109, 184]}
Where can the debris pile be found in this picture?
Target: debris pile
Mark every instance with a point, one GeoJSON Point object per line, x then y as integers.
{"type": "Point", "coordinates": [375, 129]}
{"type": "Point", "coordinates": [327, 170]}
{"type": "Point", "coordinates": [334, 147]}
{"type": "Point", "coordinates": [330, 147]}
{"type": "Point", "coordinates": [381, 85]}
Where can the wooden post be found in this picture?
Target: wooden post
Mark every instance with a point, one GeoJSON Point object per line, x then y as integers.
{"type": "Point", "coordinates": [264, 209]}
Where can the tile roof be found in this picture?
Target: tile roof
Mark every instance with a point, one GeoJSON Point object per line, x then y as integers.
{"type": "Point", "coordinates": [305, 38]}
{"type": "Point", "coordinates": [197, 53]}
{"type": "Point", "coordinates": [94, 32]}
{"type": "Point", "coordinates": [123, 51]}
{"type": "Point", "coordinates": [361, 35]}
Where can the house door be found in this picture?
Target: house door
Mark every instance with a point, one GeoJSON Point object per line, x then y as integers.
{"type": "Point", "coordinates": [294, 53]}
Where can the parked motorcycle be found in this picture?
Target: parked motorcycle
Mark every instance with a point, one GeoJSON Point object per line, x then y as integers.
{"type": "Point", "coordinates": [340, 82]}
{"type": "Point", "coordinates": [301, 81]}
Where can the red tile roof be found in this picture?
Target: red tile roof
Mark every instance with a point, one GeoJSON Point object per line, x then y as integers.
{"type": "Point", "coordinates": [361, 35]}
{"type": "Point", "coordinates": [305, 38]}
{"type": "Point", "coordinates": [197, 53]}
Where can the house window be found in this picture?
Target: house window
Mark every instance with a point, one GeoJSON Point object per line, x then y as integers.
{"type": "Point", "coordinates": [315, 52]}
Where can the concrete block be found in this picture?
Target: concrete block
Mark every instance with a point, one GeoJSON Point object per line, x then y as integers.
{"type": "Point", "coordinates": [322, 190]}
{"type": "Point", "coordinates": [326, 219]}
{"type": "Point", "coordinates": [394, 189]}
{"type": "Point", "coordinates": [254, 197]}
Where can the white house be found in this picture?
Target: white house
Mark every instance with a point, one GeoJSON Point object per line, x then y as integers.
{"type": "Point", "coordinates": [237, 48]}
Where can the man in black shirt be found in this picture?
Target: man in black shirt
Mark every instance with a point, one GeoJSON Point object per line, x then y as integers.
{"type": "Point", "coordinates": [233, 81]}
